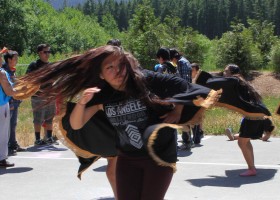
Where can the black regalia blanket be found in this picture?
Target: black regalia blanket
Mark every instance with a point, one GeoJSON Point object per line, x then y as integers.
{"type": "Point", "coordinates": [233, 95]}
{"type": "Point", "coordinates": [232, 98]}
{"type": "Point", "coordinates": [98, 137]}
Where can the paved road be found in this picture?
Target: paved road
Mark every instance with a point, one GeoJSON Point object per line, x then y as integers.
{"type": "Point", "coordinates": [207, 172]}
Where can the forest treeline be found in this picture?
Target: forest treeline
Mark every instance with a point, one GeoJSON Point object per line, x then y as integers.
{"type": "Point", "coordinates": [212, 33]}
{"type": "Point", "coordinates": [209, 17]}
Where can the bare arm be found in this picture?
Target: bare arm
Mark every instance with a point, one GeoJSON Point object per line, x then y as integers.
{"type": "Point", "coordinates": [80, 114]}
{"type": "Point", "coordinates": [8, 89]}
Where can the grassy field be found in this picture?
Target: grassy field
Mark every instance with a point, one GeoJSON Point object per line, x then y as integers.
{"type": "Point", "coordinates": [215, 122]}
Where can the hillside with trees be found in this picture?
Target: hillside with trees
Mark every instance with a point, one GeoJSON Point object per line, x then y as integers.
{"type": "Point", "coordinates": [212, 33]}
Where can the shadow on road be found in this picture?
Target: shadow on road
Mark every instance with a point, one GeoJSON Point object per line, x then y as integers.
{"type": "Point", "coordinates": [15, 170]}
{"type": "Point", "coordinates": [45, 148]}
{"type": "Point", "coordinates": [232, 179]}
{"type": "Point", "coordinates": [100, 169]}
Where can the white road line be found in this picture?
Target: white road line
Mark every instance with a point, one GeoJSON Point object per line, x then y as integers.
{"type": "Point", "coordinates": [47, 158]}
{"type": "Point", "coordinates": [179, 162]}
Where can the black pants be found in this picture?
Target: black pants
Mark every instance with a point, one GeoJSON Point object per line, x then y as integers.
{"type": "Point", "coordinates": [140, 178]}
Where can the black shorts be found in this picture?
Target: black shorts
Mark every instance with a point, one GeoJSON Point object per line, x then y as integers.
{"type": "Point", "coordinates": [255, 128]}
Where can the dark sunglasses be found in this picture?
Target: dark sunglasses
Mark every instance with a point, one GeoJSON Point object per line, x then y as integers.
{"type": "Point", "coordinates": [46, 52]}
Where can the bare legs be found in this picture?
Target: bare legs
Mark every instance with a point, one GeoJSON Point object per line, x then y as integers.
{"type": "Point", "coordinates": [248, 153]}
{"type": "Point", "coordinates": [111, 174]}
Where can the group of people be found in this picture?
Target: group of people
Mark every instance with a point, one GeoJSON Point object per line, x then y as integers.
{"type": "Point", "coordinates": [173, 62]}
{"type": "Point", "coordinates": [111, 107]}
{"type": "Point", "coordinates": [42, 115]}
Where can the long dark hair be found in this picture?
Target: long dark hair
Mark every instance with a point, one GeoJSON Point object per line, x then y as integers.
{"type": "Point", "coordinates": [67, 78]}
{"type": "Point", "coordinates": [252, 93]}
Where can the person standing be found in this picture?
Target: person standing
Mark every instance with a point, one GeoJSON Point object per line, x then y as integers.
{"type": "Point", "coordinates": [11, 59]}
{"type": "Point", "coordinates": [6, 90]}
{"type": "Point", "coordinates": [185, 72]}
{"type": "Point", "coordinates": [165, 67]}
{"type": "Point", "coordinates": [42, 114]}
{"type": "Point", "coordinates": [183, 65]}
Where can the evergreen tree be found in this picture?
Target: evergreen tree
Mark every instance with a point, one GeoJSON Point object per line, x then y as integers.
{"type": "Point", "coordinates": [13, 29]}
{"type": "Point", "coordinates": [142, 34]}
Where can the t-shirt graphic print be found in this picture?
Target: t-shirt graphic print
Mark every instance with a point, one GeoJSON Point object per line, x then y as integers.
{"type": "Point", "coordinates": [130, 119]}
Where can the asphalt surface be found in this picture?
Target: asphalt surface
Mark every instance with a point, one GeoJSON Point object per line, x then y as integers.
{"type": "Point", "coordinates": [209, 171]}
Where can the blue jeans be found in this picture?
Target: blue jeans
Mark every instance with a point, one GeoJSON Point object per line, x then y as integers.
{"type": "Point", "coordinates": [14, 104]}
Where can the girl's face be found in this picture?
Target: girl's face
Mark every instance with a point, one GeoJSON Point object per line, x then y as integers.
{"type": "Point", "coordinates": [111, 72]}
{"type": "Point", "coordinates": [227, 72]}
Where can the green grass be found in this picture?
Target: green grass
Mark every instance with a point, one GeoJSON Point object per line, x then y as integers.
{"type": "Point", "coordinates": [217, 119]}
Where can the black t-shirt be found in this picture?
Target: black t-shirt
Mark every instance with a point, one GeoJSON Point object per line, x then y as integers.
{"type": "Point", "coordinates": [130, 119]}
{"type": "Point", "coordinates": [35, 66]}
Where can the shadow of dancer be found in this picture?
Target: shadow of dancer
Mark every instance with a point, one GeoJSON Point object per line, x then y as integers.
{"type": "Point", "coordinates": [232, 179]}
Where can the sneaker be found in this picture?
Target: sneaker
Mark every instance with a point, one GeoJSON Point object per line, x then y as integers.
{"type": "Point", "coordinates": [39, 142]}
{"type": "Point", "coordinates": [12, 152]}
{"type": "Point", "coordinates": [186, 146]}
{"type": "Point", "coordinates": [229, 134]}
{"type": "Point", "coordinates": [5, 163]}
{"type": "Point", "coordinates": [51, 141]}
{"type": "Point", "coordinates": [19, 148]}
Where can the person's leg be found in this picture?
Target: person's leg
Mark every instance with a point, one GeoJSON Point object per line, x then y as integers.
{"type": "Point", "coordinates": [231, 136]}
{"type": "Point", "coordinates": [156, 181]}
{"type": "Point", "coordinates": [4, 130]}
{"type": "Point", "coordinates": [37, 119]}
{"type": "Point", "coordinates": [48, 120]}
{"type": "Point", "coordinates": [4, 135]}
{"type": "Point", "coordinates": [187, 141]}
{"type": "Point", "coordinates": [266, 136]}
{"type": "Point", "coordinates": [196, 134]}
{"type": "Point", "coordinates": [12, 131]}
{"type": "Point", "coordinates": [248, 153]}
{"type": "Point", "coordinates": [129, 178]}
{"type": "Point", "coordinates": [13, 145]}
{"type": "Point", "coordinates": [111, 174]}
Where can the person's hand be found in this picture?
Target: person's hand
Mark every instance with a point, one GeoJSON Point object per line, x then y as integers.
{"type": "Point", "coordinates": [174, 115]}
{"type": "Point", "coordinates": [87, 95]}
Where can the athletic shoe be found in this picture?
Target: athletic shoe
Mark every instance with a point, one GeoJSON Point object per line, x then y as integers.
{"type": "Point", "coordinates": [5, 163]}
{"type": "Point", "coordinates": [19, 148]}
{"type": "Point", "coordinates": [12, 152]}
{"type": "Point", "coordinates": [51, 141]}
{"type": "Point", "coordinates": [39, 142]}
{"type": "Point", "coordinates": [186, 146]}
